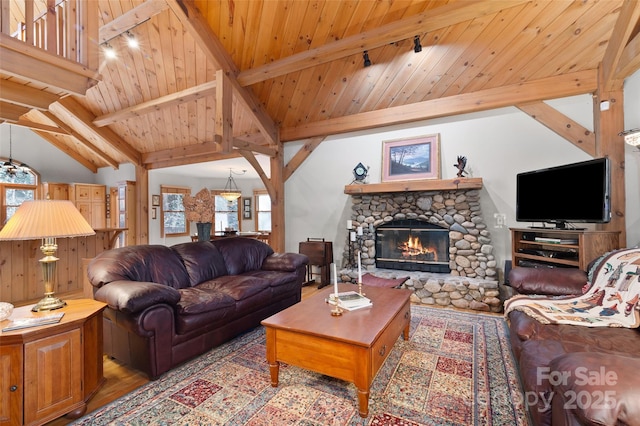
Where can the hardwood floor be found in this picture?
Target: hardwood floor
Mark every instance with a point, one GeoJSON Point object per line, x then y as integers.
{"type": "Point", "coordinates": [120, 380]}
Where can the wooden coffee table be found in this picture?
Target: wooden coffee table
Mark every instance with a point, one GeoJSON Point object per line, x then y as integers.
{"type": "Point", "coordinates": [350, 347]}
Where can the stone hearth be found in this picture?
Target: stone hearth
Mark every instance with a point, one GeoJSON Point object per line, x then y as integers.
{"type": "Point", "coordinates": [479, 294]}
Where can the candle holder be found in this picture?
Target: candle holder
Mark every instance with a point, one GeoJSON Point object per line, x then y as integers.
{"type": "Point", "coordinates": [336, 311]}
{"type": "Point", "coordinates": [360, 292]}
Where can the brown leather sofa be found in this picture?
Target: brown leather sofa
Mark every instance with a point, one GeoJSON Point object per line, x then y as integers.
{"type": "Point", "coordinates": [573, 375]}
{"type": "Point", "coordinates": [167, 305]}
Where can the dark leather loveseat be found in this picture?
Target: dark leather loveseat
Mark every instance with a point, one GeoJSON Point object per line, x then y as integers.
{"type": "Point", "coordinates": [167, 305]}
{"type": "Point", "coordinates": [573, 375]}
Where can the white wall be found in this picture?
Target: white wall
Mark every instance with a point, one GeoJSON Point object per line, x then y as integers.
{"type": "Point", "coordinates": [498, 144]}
{"type": "Point", "coordinates": [52, 164]}
{"type": "Point", "coordinates": [632, 159]}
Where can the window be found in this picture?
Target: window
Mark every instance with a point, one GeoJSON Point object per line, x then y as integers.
{"type": "Point", "coordinates": [226, 214]}
{"type": "Point", "coordinates": [263, 211]}
{"type": "Point", "coordinates": [15, 188]}
{"type": "Point", "coordinates": [174, 219]}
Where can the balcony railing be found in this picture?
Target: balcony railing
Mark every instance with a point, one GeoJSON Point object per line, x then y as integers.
{"type": "Point", "coordinates": [64, 28]}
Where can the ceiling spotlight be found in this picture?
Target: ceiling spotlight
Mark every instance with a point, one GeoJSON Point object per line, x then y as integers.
{"type": "Point", "coordinates": [367, 61]}
{"type": "Point", "coordinates": [417, 47]}
{"type": "Point", "coordinates": [132, 41]}
{"type": "Point", "coordinates": [109, 52]}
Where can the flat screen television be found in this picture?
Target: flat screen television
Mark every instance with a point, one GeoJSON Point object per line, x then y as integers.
{"type": "Point", "coordinates": [576, 192]}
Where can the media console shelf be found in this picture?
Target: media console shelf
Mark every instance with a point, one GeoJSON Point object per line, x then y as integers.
{"type": "Point", "coordinates": [532, 247]}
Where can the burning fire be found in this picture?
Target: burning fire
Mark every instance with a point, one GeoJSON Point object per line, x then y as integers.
{"type": "Point", "coordinates": [413, 247]}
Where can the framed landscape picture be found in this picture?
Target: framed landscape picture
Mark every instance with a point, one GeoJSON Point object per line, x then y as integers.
{"type": "Point", "coordinates": [411, 158]}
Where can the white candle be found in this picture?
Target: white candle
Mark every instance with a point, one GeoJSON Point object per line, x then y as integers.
{"type": "Point", "coordinates": [359, 269]}
{"type": "Point", "coordinates": [352, 236]}
{"type": "Point", "coordinates": [335, 280]}
{"type": "Point", "coordinates": [359, 230]}
{"type": "Point", "coordinates": [349, 224]}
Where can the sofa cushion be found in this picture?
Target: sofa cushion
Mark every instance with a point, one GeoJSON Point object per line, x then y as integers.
{"type": "Point", "coordinates": [197, 300]}
{"type": "Point", "coordinates": [202, 259]}
{"type": "Point", "coordinates": [146, 263]}
{"type": "Point", "coordinates": [284, 262]}
{"type": "Point", "coordinates": [274, 278]}
{"type": "Point", "coordinates": [238, 287]}
{"type": "Point", "coordinates": [242, 254]}
{"type": "Point", "coordinates": [599, 388]}
{"type": "Point", "coordinates": [131, 296]}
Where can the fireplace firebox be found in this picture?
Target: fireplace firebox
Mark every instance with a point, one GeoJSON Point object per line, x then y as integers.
{"type": "Point", "coordinates": [412, 245]}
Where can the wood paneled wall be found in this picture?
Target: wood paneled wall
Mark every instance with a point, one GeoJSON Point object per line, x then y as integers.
{"type": "Point", "coordinates": [21, 272]}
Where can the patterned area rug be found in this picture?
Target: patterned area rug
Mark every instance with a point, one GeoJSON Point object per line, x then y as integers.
{"type": "Point", "coordinates": [456, 369]}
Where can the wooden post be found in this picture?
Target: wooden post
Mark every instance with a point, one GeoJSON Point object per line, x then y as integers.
{"type": "Point", "coordinates": [608, 121]}
{"type": "Point", "coordinates": [277, 240]}
{"type": "Point", "coordinates": [142, 210]}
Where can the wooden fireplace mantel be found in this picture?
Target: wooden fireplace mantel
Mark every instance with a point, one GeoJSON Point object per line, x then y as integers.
{"type": "Point", "coordinates": [414, 185]}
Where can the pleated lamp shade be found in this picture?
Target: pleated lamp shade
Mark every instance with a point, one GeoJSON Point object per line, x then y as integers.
{"type": "Point", "coordinates": [46, 219]}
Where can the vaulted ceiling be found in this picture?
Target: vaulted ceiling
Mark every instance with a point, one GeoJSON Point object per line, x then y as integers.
{"type": "Point", "coordinates": [294, 70]}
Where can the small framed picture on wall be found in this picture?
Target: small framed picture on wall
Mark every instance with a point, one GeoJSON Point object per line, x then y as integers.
{"type": "Point", "coordinates": [155, 200]}
{"type": "Point", "coordinates": [246, 208]}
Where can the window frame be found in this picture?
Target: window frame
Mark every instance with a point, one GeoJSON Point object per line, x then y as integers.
{"type": "Point", "coordinates": [256, 194]}
{"type": "Point", "coordinates": [216, 193]}
{"type": "Point", "coordinates": [170, 189]}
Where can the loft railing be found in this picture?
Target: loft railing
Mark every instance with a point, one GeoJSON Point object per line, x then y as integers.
{"type": "Point", "coordinates": [65, 28]}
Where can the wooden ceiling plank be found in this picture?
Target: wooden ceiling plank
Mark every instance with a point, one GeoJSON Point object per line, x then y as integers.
{"type": "Point", "coordinates": [630, 59]}
{"type": "Point", "coordinates": [548, 88]}
{"type": "Point", "coordinates": [25, 96]}
{"type": "Point", "coordinates": [564, 126]}
{"type": "Point", "coordinates": [32, 125]}
{"type": "Point", "coordinates": [204, 148]}
{"type": "Point", "coordinates": [185, 160]}
{"type": "Point", "coordinates": [590, 29]}
{"type": "Point", "coordinates": [622, 32]}
{"type": "Point", "coordinates": [131, 19]}
{"type": "Point", "coordinates": [81, 139]}
{"type": "Point", "coordinates": [187, 95]}
{"type": "Point", "coordinates": [195, 25]}
{"type": "Point", "coordinates": [433, 19]}
{"type": "Point", "coordinates": [299, 157]}
{"type": "Point", "coordinates": [108, 136]}
{"type": "Point", "coordinates": [12, 112]}
{"type": "Point", "coordinates": [49, 137]}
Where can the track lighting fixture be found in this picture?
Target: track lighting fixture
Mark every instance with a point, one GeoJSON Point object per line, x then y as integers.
{"type": "Point", "coordinates": [132, 41]}
{"type": "Point", "coordinates": [367, 61]}
{"type": "Point", "coordinates": [109, 52]}
{"type": "Point", "coordinates": [417, 47]}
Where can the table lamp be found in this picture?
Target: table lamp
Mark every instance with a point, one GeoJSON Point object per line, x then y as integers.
{"type": "Point", "coordinates": [48, 220]}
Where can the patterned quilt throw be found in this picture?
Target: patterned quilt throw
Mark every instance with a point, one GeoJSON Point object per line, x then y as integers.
{"type": "Point", "coordinates": [610, 301]}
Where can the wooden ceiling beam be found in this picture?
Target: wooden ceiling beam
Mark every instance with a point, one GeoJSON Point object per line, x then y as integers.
{"type": "Point", "coordinates": [108, 136]}
{"type": "Point", "coordinates": [627, 20]}
{"type": "Point", "coordinates": [248, 155]}
{"type": "Point", "coordinates": [192, 152]}
{"type": "Point", "coordinates": [81, 139]}
{"type": "Point", "coordinates": [26, 96]}
{"type": "Point", "coordinates": [434, 19]}
{"type": "Point", "coordinates": [254, 147]}
{"type": "Point", "coordinates": [178, 161]}
{"type": "Point", "coordinates": [131, 19]}
{"type": "Point", "coordinates": [12, 112]}
{"type": "Point", "coordinates": [547, 88]}
{"type": "Point", "coordinates": [564, 126]}
{"type": "Point", "coordinates": [32, 125]}
{"type": "Point", "coordinates": [196, 25]}
{"type": "Point", "coordinates": [89, 164]}
{"type": "Point", "coordinates": [300, 156]}
{"type": "Point", "coordinates": [37, 65]}
{"type": "Point", "coordinates": [223, 116]}
{"type": "Point", "coordinates": [154, 105]}
{"type": "Point", "coordinates": [630, 59]}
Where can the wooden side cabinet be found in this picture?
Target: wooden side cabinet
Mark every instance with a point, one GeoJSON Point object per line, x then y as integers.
{"type": "Point", "coordinates": [51, 370]}
{"type": "Point", "coordinates": [573, 248]}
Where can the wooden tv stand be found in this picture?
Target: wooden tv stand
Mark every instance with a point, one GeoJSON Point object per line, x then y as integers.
{"type": "Point", "coordinates": [583, 247]}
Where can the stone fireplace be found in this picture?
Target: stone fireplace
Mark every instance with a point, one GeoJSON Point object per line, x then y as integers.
{"type": "Point", "coordinates": [466, 279]}
{"type": "Point", "coordinates": [457, 212]}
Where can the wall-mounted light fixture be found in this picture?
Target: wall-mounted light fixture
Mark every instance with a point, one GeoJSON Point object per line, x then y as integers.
{"type": "Point", "coordinates": [365, 57]}
{"type": "Point", "coordinates": [632, 137]}
{"type": "Point", "coordinates": [417, 47]}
